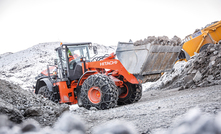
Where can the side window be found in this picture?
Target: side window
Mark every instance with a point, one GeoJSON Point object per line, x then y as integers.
{"type": "Point", "coordinates": [86, 53]}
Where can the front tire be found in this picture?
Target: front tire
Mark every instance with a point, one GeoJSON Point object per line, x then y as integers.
{"type": "Point", "coordinates": [99, 91]}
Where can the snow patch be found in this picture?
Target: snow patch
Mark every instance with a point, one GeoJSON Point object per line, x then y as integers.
{"type": "Point", "coordinates": [166, 77]}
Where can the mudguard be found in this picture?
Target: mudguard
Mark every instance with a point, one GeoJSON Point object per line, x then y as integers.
{"type": "Point", "coordinates": [43, 82]}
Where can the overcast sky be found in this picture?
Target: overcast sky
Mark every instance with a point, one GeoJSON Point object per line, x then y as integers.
{"type": "Point", "coordinates": [24, 23]}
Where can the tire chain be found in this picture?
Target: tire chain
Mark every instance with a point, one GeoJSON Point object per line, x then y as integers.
{"type": "Point", "coordinates": [135, 95]}
{"type": "Point", "coordinates": [108, 88]}
{"type": "Point", "coordinates": [138, 92]}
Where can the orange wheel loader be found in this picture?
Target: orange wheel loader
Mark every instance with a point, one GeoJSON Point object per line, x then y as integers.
{"type": "Point", "coordinates": [106, 81]}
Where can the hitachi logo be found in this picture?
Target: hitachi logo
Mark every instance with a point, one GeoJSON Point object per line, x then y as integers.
{"type": "Point", "coordinates": [108, 63]}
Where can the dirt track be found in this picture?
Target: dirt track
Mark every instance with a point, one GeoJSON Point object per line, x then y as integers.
{"type": "Point", "coordinates": [157, 109]}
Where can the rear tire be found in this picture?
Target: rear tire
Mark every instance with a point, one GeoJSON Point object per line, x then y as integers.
{"type": "Point", "coordinates": [133, 94]}
{"type": "Point", "coordinates": [99, 91]}
{"type": "Point", "coordinates": [204, 47]}
{"type": "Point", "coordinates": [46, 93]}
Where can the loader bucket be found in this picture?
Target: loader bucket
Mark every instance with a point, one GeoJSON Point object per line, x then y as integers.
{"type": "Point", "coordinates": [146, 62]}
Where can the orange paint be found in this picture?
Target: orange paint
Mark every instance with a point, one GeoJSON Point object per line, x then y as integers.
{"type": "Point", "coordinates": [66, 94]}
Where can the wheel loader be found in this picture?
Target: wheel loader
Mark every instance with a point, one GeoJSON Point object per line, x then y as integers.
{"type": "Point", "coordinates": [200, 40]}
{"type": "Point", "coordinates": [105, 81]}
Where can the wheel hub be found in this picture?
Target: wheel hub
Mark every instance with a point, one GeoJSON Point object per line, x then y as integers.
{"type": "Point", "coordinates": [125, 93]}
{"type": "Point", "coordinates": [94, 95]}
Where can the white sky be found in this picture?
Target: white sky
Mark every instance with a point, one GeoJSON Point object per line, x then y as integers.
{"type": "Point", "coordinates": [24, 23]}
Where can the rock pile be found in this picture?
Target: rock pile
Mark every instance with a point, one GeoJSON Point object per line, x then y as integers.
{"type": "Point", "coordinates": [163, 40]}
{"type": "Point", "coordinates": [203, 70]}
{"type": "Point", "coordinates": [19, 104]}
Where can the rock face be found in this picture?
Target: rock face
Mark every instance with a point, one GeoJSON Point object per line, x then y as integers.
{"type": "Point", "coordinates": [19, 104]}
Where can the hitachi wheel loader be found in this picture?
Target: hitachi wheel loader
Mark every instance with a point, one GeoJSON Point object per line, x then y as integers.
{"type": "Point", "coordinates": [106, 81]}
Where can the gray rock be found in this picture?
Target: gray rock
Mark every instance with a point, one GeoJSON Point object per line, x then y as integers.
{"type": "Point", "coordinates": [115, 127]}
{"type": "Point", "coordinates": [189, 84]}
{"type": "Point", "coordinates": [217, 123]}
{"type": "Point", "coordinates": [68, 122]}
{"type": "Point", "coordinates": [197, 77]}
{"type": "Point", "coordinates": [30, 125]}
{"type": "Point", "coordinates": [210, 78]}
{"type": "Point", "coordinates": [32, 111]}
{"type": "Point", "coordinates": [218, 82]}
{"type": "Point", "coordinates": [211, 63]}
{"type": "Point", "coordinates": [188, 78]}
{"type": "Point", "coordinates": [212, 49]}
{"type": "Point", "coordinates": [4, 122]}
{"type": "Point", "coordinates": [215, 52]}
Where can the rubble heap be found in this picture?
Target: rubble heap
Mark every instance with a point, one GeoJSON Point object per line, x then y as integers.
{"type": "Point", "coordinates": [202, 70]}
{"type": "Point", "coordinates": [163, 40]}
{"type": "Point", "coordinates": [19, 104]}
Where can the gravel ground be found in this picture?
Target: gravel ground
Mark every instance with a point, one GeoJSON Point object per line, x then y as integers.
{"type": "Point", "coordinates": [158, 112]}
{"type": "Point", "coordinates": [157, 109]}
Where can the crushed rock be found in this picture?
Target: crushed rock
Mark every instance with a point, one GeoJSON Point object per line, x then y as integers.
{"type": "Point", "coordinates": [202, 71]}
{"type": "Point", "coordinates": [163, 40]}
{"type": "Point", "coordinates": [19, 104]}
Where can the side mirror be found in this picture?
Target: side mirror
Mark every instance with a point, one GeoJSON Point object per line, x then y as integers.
{"type": "Point", "coordinates": [95, 50]}
{"type": "Point", "coordinates": [55, 61]}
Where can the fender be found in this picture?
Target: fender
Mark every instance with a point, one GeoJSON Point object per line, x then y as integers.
{"type": "Point", "coordinates": [43, 82]}
{"type": "Point", "coordinates": [80, 82]}
{"type": "Point", "coordinates": [85, 76]}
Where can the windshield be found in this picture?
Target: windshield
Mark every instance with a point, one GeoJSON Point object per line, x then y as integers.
{"type": "Point", "coordinates": [78, 51]}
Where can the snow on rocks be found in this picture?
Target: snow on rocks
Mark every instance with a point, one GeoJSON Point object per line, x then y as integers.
{"type": "Point", "coordinates": [166, 78]}
{"type": "Point", "coordinates": [22, 67]}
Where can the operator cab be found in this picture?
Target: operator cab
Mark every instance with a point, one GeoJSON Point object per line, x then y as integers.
{"type": "Point", "coordinates": [70, 58]}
